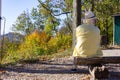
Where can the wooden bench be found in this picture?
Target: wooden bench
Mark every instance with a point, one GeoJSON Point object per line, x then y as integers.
{"type": "Point", "coordinates": [96, 65]}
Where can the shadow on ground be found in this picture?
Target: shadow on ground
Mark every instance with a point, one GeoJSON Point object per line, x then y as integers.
{"type": "Point", "coordinates": [47, 68]}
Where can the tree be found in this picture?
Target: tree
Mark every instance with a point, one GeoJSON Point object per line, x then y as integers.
{"type": "Point", "coordinates": [47, 10]}
{"type": "Point", "coordinates": [76, 17]}
{"type": "Point", "coordinates": [23, 24]}
{"type": "Point", "coordinates": [104, 10]}
{"type": "Point", "coordinates": [47, 16]}
{"type": "Point", "coordinates": [37, 19]}
{"type": "Point", "coordinates": [66, 27]}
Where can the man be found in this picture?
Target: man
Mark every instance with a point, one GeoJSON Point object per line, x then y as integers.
{"type": "Point", "coordinates": [87, 38]}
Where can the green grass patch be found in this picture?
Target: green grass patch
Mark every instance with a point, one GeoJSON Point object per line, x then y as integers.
{"type": "Point", "coordinates": [14, 59]}
{"type": "Point", "coordinates": [65, 53]}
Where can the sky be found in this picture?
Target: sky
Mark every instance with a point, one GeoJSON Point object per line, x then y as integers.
{"type": "Point", "coordinates": [11, 9]}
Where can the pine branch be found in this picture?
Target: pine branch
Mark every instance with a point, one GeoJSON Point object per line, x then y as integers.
{"type": "Point", "coordinates": [51, 12]}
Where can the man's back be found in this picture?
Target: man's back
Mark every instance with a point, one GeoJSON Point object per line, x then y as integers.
{"type": "Point", "coordinates": [88, 41]}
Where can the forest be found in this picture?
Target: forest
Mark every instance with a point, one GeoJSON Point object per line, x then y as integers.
{"type": "Point", "coordinates": [48, 29]}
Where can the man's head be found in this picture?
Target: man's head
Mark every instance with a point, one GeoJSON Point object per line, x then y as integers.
{"type": "Point", "coordinates": [89, 17]}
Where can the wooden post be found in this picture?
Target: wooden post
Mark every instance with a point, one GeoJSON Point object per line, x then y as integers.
{"type": "Point", "coordinates": [0, 15]}
{"type": "Point", "coordinates": [113, 30]}
{"type": "Point", "coordinates": [0, 25]}
{"type": "Point", "coordinates": [76, 17]}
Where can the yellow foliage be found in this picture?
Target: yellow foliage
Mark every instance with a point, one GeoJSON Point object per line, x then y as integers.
{"type": "Point", "coordinates": [34, 45]}
{"type": "Point", "coordinates": [60, 42]}
{"type": "Point", "coordinates": [37, 37]}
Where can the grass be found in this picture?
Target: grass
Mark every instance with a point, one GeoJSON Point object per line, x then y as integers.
{"type": "Point", "coordinates": [60, 54]}
{"type": "Point", "coordinates": [65, 53]}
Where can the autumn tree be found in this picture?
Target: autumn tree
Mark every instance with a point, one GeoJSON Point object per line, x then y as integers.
{"type": "Point", "coordinates": [104, 10]}
{"type": "Point", "coordinates": [47, 16]}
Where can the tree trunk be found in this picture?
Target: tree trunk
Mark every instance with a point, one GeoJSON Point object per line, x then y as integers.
{"type": "Point", "coordinates": [92, 2]}
{"type": "Point", "coordinates": [76, 17]}
{"type": "Point", "coordinates": [68, 25]}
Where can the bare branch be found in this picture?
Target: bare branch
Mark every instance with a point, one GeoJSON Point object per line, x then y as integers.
{"type": "Point", "coordinates": [62, 13]}
{"type": "Point", "coordinates": [51, 12]}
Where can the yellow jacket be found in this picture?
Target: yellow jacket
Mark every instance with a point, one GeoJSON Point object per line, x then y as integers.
{"type": "Point", "coordinates": [88, 41]}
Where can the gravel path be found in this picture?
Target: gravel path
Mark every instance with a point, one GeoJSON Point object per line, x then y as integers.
{"type": "Point", "coordinates": [56, 69]}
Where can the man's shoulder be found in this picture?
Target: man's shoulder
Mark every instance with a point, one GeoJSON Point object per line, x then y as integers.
{"type": "Point", "coordinates": [87, 27]}
{"type": "Point", "coordinates": [82, 26]}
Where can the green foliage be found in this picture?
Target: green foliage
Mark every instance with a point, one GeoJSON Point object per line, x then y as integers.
{"type": "Point", "coordinates": [67, 27]}
{"type": "Point", "coordinates": [9, 47]}
{"type": "Point", "coordinates": [10, 52]}
{"type": "Point", "coordinates": [46, 18]}
{"type": "Point", "coordinates": [23, 24]}
{"type": "Point", "coordinates": [104, 9]}
{"type": "Point", "coordinates": [60, 42]}
{"type": "Point", "coordinates": [37, 18]}
{"type": "Point", "coordinates": [11, 57]}
{"type": "Point", "coordinates": [69, 5]}
{"type": "Point", "coordinates": [35, 45]}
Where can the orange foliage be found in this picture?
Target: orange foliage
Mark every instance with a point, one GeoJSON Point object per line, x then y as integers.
{"type": "Point", "coordinates": [37, 36]}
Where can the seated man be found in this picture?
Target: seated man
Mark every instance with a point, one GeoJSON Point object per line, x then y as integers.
{"type": "Point", "coordinates": [88, 38]}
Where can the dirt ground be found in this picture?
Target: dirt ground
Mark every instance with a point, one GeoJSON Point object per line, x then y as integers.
{"type": "Point", "coordinates": [56, 69]}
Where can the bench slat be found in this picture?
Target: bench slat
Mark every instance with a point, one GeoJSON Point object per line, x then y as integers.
{"type": "Point", "coordinates": [101, 60]}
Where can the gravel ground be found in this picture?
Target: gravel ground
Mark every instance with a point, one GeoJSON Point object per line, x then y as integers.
{"type": "Point", "coordinates": [56, 69]}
